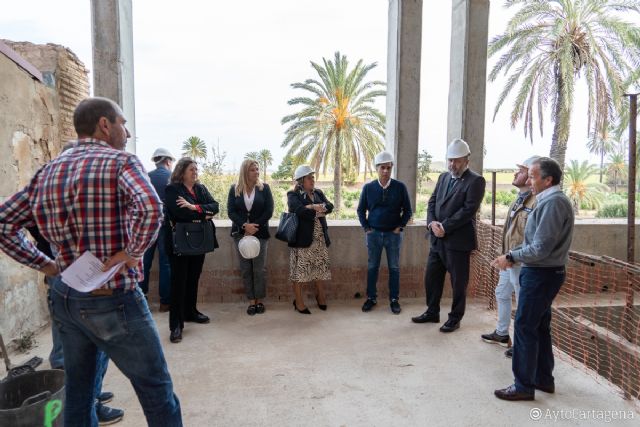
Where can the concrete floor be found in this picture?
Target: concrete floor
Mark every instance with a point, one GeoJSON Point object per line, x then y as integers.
{"type": "Point", "coordinates": [343, 367]}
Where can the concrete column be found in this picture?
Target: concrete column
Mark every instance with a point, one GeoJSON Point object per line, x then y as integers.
{"type": "Point", "coordinates": [468, 75]}
{"type": "Point", "coordinates": [403, 89]}
{"type": "Point", "coordinates": [112, 36]}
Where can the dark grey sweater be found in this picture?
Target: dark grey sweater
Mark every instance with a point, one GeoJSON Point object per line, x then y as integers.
{"type": "Point", "coordinates": [548, 234]}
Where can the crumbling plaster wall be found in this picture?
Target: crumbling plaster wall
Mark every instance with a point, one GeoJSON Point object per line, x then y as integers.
{"type": "Point", "coordinates": [28, 127]}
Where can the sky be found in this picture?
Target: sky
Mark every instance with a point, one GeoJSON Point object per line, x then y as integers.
{"type": "Point", "coordinates": [222, 70]}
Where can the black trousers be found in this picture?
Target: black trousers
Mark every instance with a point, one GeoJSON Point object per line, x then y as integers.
{"type": "Point", "coordinates": [185, 274]}
{"type": "Point", "coordinates": [456, 263]}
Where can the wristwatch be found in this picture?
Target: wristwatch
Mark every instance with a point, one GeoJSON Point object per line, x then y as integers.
{"type": "Point", "coordinates": [509, 257]}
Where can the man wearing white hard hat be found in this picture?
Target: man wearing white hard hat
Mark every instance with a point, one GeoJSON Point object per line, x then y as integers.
{"type": "Point", "coordinates": [384, 210]}
{"type": "Point", "coordinates": [451, 220]}
{"type": "Point", "coordinates": [159, 179]}
{"type": "Point", "coordinates": [512, 236]}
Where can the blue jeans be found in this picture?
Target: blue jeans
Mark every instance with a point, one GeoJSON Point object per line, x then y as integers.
{"type": "Point", "coordinates": [508, 284]}
{"type": "Point", "coordinates": [121, 326]}
{"type": "Point", "coordinates": [391, 242]}
{"type": "Point", "coordinates": [164, 267]}
{"type": "Point", "coordinates": [532, 362]}
{"type": "Point", "coordinates": [56, 357]}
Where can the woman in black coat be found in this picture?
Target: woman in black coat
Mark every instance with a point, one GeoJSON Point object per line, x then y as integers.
{"type": "Point", "coordinates": [186, 200]}
{"type": "Point", "coordinates": [249, 207]}
{"type": "Point", "coordinates": [309, 255]}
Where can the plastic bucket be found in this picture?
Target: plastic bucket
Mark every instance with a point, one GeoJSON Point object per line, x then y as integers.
{"type": "Point", "coordinates": [34, 399]}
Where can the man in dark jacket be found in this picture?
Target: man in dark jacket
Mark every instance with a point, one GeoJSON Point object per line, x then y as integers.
{"type": "Point", "coordinates": [159, 179]}
{"type": "Point", "coordinates": [451, 222]}
{"type": "Point", "coordinates": [384, 210]}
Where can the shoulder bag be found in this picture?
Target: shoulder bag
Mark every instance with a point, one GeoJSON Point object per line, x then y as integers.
{"type": "Point", "coordinates": [288, 227]}
{"type": "Point", "coordinates": [193, 238]}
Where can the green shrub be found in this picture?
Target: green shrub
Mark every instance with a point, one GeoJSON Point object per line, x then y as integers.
{"type": "Point", "coordinates": [615, 210]}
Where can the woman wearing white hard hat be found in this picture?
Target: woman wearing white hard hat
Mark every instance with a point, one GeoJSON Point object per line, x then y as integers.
{"type": "Point", "coordinates": [249, 207]}
{"type": "Point", "coordinates": [309, 256]}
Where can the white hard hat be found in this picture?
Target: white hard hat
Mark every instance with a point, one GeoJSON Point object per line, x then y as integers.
{"type": "Point", "coordinates": [302, 171]}
{"type": "Point", "coordinates": [383, 157]}
{"type": "Point", "coordinates": [249, 247]}
{"type": "Point", "coordinates": [162, 152]}
{"type": "Point", "coordinates": [458, 148]}
{"type": "Point", "coordinates": [527, 163]}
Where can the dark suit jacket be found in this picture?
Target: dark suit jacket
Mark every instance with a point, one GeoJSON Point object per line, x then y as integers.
{"type": "Point", "coordinates": [261, 211]}
{"type": "Point", "coordinates": [297, 201]}
{"type": "Point", "coordinates": [457, 210]}
{"type": "Point", "coordinates": [177, 214]}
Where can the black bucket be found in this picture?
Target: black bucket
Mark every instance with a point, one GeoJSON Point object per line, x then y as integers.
{"type": "Point", "coordinates": [33, 399]}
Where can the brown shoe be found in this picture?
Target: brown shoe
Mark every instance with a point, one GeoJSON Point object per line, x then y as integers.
{"type": "Point", "coordinates": [164, 308]}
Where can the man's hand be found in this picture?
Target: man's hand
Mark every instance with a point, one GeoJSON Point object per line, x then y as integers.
{"type": "Point", "coordinates": [397, 230]}
{"type": "Point", "coordinates": [50, 269]}
{"type": "Point", "coordinates": [437, 229]}
{"type": "Point", "coordinates": [250, 229]}
{"type": "Point", "coordinates": [119, 257]}
{"type": "Point", "coordinates": [501, 263]}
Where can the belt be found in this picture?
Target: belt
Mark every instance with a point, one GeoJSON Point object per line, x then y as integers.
{"type": "Point", "coordinates": [102, 292]}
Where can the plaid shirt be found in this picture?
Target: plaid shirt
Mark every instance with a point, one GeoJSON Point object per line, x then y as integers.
{"type": "Point", "coordinates": [90, 198]}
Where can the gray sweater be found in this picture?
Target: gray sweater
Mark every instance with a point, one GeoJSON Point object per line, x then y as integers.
{"type": "Point", "coordinates": [547, 236]}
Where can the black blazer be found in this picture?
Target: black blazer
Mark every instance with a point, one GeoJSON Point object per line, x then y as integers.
{"type": "Point", "coordinates": [261, 211]}
{"type": "Point", "coordinates": [457, 210]}
{"type": "Point", "coordinates": [177, 214]}
{"type": "Point", "coordinates": [297, 200]}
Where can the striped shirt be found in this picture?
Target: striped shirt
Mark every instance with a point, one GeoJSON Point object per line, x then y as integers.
{"type": "Point", "coordinates": [90, 198]}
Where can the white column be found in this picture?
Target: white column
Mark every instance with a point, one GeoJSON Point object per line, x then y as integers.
{"type": "Point", "coordinates": [403, 89]}
{"type": "Point", "coordinates": [112, 36]}
{"type": "Point", "coordinates": [468, 75]}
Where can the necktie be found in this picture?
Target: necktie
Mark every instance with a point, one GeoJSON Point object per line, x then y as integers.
{"type": "Point", "coordinates": [452, 183]}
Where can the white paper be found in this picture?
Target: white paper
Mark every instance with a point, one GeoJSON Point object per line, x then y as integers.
{"type": "Point", "coordinates": [86, 275]}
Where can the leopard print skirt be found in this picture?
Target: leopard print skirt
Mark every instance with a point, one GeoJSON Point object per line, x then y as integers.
{"type": "Point", "coordinates": [312, 263]}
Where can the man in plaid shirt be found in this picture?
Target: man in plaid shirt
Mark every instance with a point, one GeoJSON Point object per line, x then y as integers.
{"type": "Point", "coordinates": [97, 197]}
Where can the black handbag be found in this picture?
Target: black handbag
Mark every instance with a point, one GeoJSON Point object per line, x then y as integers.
{"type": "Point", "coordinates": [288, 227]}
{"type": "Point", "coordinates": [193, 238]}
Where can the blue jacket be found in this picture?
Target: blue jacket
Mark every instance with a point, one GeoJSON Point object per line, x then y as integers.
{"type": "Point", "coordinates": [160, 179]}
{"type": "Point", "coordinates": [387, 209]}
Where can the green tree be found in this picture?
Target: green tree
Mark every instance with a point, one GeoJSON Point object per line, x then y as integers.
{"type": "Point", "coordinates": [252, 155]}
{"type": "Point", "coordinates": [337, 125]}
{"type": "Point", "coordinates": [579, 190]}
{"type": "Point", "coordinates": [617, 168]}
{"type": "Point", "coordinates": [424, 167]}
{"type": "Point", "coordinates": [195, 148]}
{"type": "Point", "coordinates": [550, 44]}
{"type": "Point", "coordinates": [601, 146]}
{"type": "Point", "coordinates": [265, 159]}
{"type": "Point", "coordinates": [216, 166]}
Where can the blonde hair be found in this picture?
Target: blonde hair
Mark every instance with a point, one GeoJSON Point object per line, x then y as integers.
{"type": "Point", "coordinates": [243, 182]}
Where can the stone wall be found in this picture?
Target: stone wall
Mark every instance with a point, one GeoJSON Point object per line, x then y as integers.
{"type": "Point", "coordinates": [35, 120]}
{"type": "Point", "coordinates": [221, 281]}
{"type": "Point", "coordinates": [62, 70]}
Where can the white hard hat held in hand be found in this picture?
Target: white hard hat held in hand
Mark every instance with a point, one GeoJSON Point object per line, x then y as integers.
{"type": "Point", "coordinates": [458, 148]}
{"type": "Point", "coordinates": [249, 247]}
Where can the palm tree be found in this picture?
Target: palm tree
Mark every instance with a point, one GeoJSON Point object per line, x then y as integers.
{"type": "Point", "coordinates": [601, 146]}
{"type": "Point", "coordinates": [579, 191]}
{"type": "Point", "coordinates": [265, 159]}
{"type": "Point", "coordinates": [195, 148]}
{"type": "Point", "coordinates": [252, 155]}
{"type": "Point", "coordinates": [550, 44]}
{"type": "Point", "coordinates": [338, 125]}
{"type": "Point", "coordinates": [617, 167]}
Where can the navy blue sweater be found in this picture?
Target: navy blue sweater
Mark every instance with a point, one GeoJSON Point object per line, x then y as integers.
{"type": "Point", "coordinates": [387, 209]}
